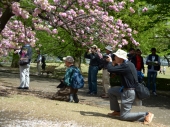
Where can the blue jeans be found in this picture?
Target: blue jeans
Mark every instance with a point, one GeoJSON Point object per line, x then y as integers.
{"type": "Point", "coordinates": [140, 76]}
{"type": "Point", "coordinates": [152, 79]}
{"type": "Point", "coordinates": [92, 79]}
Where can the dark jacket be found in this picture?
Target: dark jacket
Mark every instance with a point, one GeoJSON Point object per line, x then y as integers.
{"type": "Point", "coordinates": [127, 79]}
{"type": "Point", "coordinates": [134, 61]}
{"type": "Point", "coordinates": [94, 58]}
{"type": "Point", "coordinates": [130, 56]}
{"type": "Point", "coordinates": [157, 68]}
{"type": "Point", "coordinates": [29, 51]}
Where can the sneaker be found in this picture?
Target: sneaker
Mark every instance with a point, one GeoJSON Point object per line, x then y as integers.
{"type": "Point", "coordinates": [20, 88]}
{"type": "Point", "coordinates": [154, 93]}
{"type": "Point", "coordinates": [114, 114]}
{"type": "Point", "coordinates": [89, 92]}
{"type": "Point", "coordinates": [26, 88]}
{"type": "Point", "coordinates": [94, 94]}
{"type": "Point", "coordinates": [75, 98]}
{"type": "Point", "coordinates": [105, 96]}
{"type": "Point", "coordinates": [71, 98]}
{"type": "Point", "coordinates": [148, 118]}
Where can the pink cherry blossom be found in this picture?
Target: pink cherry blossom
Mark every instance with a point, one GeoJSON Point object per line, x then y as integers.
{"type": "Point", "coordinates": [144, 9]}
{"type": "Point", "coordinates": [131, 1]}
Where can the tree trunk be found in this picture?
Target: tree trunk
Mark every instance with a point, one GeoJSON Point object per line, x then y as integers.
{"type": "Point", "coordinates": [167, 60]}
{"type": "Point", "coordinates": [5, 18]}
{"type": "Point", "coordinates": [78, 55]}
{"type": "Point", "coordinates": [15, 60]}
{"type": "Point", "coordinates": [77, 61]}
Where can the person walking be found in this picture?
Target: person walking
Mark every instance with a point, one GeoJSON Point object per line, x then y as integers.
{"type": "Point", "coordinates": [39, 58]}
{"type": "Point", "coordinates": [26, 51]}
{"type": "Point", "coordinates": [93, 69]}
{"type": "Point", "coordinates": [125, 69]}
{"type": "Point", "coordinates": [153, 62]}
{"type": "Point", "coordinates": [105, 73]}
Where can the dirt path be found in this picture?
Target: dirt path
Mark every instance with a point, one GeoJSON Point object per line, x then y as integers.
{"type": "Point", "coordinates": [45, 88]}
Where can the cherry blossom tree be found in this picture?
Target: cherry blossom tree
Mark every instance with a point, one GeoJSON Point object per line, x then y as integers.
{"type": "Point", "coordinates": [86, 21]}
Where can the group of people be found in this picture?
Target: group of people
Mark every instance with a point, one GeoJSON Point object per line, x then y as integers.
{"type": "Point", "coordinates": [153, 63]}
{"type": "Point", "coordinates": [127, 66]}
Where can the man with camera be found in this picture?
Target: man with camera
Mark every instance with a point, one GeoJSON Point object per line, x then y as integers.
{"type": "Point", "coordinates": [126, 92]}
{"type": "Point", "coordinates": [93, 69]}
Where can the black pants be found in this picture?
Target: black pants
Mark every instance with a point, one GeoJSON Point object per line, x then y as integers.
{"type": "Point", "coordinates": [73, 91]}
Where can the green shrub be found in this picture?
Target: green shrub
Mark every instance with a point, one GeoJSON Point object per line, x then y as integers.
{"type": "Point", "coordinates": [161, 83]}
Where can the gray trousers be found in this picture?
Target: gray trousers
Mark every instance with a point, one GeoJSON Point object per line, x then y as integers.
{"type": "Point", "coordinates": [39, 68]}
{"type": "Point", "coordinates": [105, 80]}
{"type": "Point", "coordinates": [127, 99]}
{"type": "Point", "coordinates": [24, 75]}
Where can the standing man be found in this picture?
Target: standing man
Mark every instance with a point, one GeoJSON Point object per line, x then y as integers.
{"type": "Point", "coordinates": [93, 69]}
{"type": "Point", "coordinates": [153, 62]}
{"type": "Point", "coordinates": [105, 73]}
{"type": "Point", "coordinates": [131, 54]}
{"type": "Point", "coordinates": [125, 69]}
{"type": "Point", "coordinates": [25, 69]}
{"type": "Point", "coordinates": [39, 58]}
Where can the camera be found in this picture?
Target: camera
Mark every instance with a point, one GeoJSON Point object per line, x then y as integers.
{"type": "Point", "coordinates": [105, 57]}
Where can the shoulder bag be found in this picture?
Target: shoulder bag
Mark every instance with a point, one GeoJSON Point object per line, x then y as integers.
{"type": "Point", "coordinates": [24, 61]}
{"type": "Point", "coordinates": [142, 92]}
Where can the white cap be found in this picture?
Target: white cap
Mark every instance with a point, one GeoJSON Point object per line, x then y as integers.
{"type": "Point", "coordinates": [109, 48]}
{"type": "Point", "coordinates": [68, 59]}
{"type": "Point", "coordinates": [121, 54]}
{"type": "Point", "coordinates": [94, 46]}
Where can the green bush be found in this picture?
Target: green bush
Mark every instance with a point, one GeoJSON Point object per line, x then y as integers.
{"type": "Point", "coordinates": [161, 84]}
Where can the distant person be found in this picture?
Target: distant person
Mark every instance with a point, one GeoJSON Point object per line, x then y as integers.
{"type": "Point", "coordinates": [92, 54]}
{"type": "Point", "coordinates": [105, 73]}
{"type": "Point", "coordinates": [126, 92]}
{"type": "Point", "coordinates": [153, 62]}
{"type": "Point", "coordinates": [164, 69]}
{"type": "Point", "coordinates": [160, 70]}
{"type": "Point", "coordinates": [139, 64]}
{"type": "Point", "coordinates": [131, 54]}
{"type": "Point", "coordinates": [43, 62]}
{"type": "Point", "coordinates": [38, 60]}
{"type": "Point", "coordinates": [26, 51]}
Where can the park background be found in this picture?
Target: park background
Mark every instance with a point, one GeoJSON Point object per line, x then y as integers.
{"type": "Point", "coordinates": [163, 80]}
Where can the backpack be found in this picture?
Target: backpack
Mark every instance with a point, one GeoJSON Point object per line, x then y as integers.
{"type": "Point", "coordinates": [43, 59]}
{"type": "Point", "coordinates": [77, 80]}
